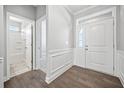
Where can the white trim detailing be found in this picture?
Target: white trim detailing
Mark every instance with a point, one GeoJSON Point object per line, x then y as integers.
{"type": "Point", "coordinates": [122, 79]}
{"type": "Point", "coordinates": [59, 50]}
{"type": "Point", "coordinates": [120, 60]}
{"type": "Point", "coordinates": [42, 18]}
{"type": "Point", "coordinates": [80, 11]}
{"type": "Point", "coordinates": [111, 10]}
{"type": "Point", "coordinates": [68, 9]}
{"type": "Point", "coordinates": [55, 70]}
{"type": "Point", "coordinates": [57, 74]}
{"type": "Point", "coordinates": [97, 14]}
{"type": "Point", "coordinates": [59, 61]}
{"type": "Point", "coordinates": [86, 9]}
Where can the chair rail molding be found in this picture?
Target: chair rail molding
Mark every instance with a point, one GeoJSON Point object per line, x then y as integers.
{"type": "Point", "coordinates": [59, 61]}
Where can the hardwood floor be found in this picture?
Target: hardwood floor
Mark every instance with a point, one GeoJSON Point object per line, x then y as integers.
{"type": "Point", "coordinates": [75, 77]}
{"type": "Point", "coordinates": [31, 79]}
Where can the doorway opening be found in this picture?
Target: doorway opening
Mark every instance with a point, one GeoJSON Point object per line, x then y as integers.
{"type": "Point", "coordinates": [19, 45]}
{"type": "Point", "coordinates": [41, 44]}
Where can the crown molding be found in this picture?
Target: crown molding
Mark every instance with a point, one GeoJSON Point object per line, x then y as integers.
{"type": "Point", "coordinates": [86, 9]}
{"type": "Point", "coordinates": [69, 10]}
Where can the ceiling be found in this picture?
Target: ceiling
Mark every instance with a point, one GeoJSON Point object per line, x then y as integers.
{"type": "Point", "coordinates": [77, 8]}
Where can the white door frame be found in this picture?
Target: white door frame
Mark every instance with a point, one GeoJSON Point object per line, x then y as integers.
{"type": "Point", "coordinates": [37, 49]}
{"type": "Point", "coordinates": [113, 12]}
{"type": "Point", "coordinates": [6, 38]}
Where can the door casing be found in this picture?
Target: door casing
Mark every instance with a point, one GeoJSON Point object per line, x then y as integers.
{"type": "Point", "coordinates": [40, 56]}
{"type": "Point", "coordinates": [109, 10]}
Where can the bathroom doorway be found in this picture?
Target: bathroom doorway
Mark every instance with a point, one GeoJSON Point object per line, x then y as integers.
{"type": "Point", "coordinates": [20, 45]}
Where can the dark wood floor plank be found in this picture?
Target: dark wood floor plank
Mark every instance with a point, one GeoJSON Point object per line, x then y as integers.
{"type": "Point", "coordinates": [75, 77]}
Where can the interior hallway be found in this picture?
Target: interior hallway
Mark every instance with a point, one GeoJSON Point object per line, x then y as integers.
{"type": "Point", "coordinates": [75, 77]}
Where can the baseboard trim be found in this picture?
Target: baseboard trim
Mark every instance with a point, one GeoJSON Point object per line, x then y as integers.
{"type": "Point", "coordinates": [5, 78]}
{"type": "Point", "coordinates": [57, 74]}
{"type": "Point", "coordinates": [121, 78]}
{"type": "Point", "coordinates": [120, 56]}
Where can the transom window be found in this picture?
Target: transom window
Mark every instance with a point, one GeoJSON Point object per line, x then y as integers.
{"type": "Point", "coordinates": [14, 28]}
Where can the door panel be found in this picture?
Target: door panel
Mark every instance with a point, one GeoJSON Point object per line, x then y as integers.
{"type": "Point", "coordinates": [28, 47]}
{"type": "Point", "coordinates": [96, 35]}
{"type": "Point", "coordinates": [16, 53]}
{"type": "Point", "coordinates": [99, 42]}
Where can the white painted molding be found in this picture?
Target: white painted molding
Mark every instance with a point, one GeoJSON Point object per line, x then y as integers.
{"type": "Point", "coordinates": [59, 50]}
{"type": "Point", "coordinates": [59, 61]}
{"type": "Point", "coordinates": [57, 74]}
{"type": "Point", "coordinates": [81, 11]}
{"type": "Point", "coordinates": [69, 10]}
{"type": "Point", "coordinates": [96, 20]}
{"type": "Point", "coordinates": [120, 60]}
{"type": "Point", "coordinates": [42, 18]}
{"type": "Point", "coordinates": [86, 9]}
{"type": "Point", "coordinates": [111, 10]}
{"type": "Point", "coordinates": [98, 14]}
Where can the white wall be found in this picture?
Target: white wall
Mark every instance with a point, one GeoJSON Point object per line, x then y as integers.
{"type": "Point", "coordinates": [60, 28]}
{"type": "Point", "coordinates": [60, 42]}
{"type": "Point", "coordinates": [121, 32]}
{"type": "Point", "coordinates": [27, 11]}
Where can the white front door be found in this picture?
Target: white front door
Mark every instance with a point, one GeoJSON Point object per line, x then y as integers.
{"type": "Point", "coordinates": [99, 45]}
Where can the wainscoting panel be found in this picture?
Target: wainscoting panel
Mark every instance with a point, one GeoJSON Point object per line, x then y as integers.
{"type": "Point", "coordinates": [58, 62]}
{"type": "Point", "coordinates": [120, 59]}
{"type": "Point", "coordinates": [1, 72]}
